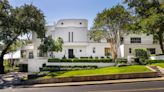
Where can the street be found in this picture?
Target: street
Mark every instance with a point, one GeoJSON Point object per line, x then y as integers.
{"type": "Point", "coordinates": [154, 86]}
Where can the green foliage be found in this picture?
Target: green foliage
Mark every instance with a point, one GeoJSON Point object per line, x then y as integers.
{"type": "Point", "coordinates": [121, 60]}
{"type": "Point", "coordinates": [105, 71]}
{"type": "Point", "coordinates": [103, 60]}
{"type": "Point", "coordinates": [154, 61]}
{"type": "Point", "coordinates": [97, 35]}
{"type": "Point", "coordinates": [66, 68]}
{"type": "Point", "coordinates": [149, 18]}
{"type": "Point", "coordinates": [113, 21]}
{"type": "Point", "coordinates": [18, 21]}
{"type": "Point", "coordinates": [141, 53]}
{"type": "Point", "coordinates": [49, 45]}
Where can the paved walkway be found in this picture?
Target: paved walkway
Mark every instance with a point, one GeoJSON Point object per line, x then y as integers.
{"type": "Point", "coordinates": [11, 78]}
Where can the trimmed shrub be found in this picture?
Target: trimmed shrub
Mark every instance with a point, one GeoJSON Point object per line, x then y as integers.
{"type": "Point", "coordinates": [141, 55]}
{"type": "Point", "coordinates": [154, 61]}
{"type": "Point", "coordinates": [54, 60]}
{"type": "Point", "coordinates": [121, 60]}
{"type": "Point", "coordinates": [83, 57]}
{"type": "Point", "coordinates": [66, 68]}
{"type": "Point", "coordinates": [105, 60]}
{"type": "Point", "coordinates": [66, 60]}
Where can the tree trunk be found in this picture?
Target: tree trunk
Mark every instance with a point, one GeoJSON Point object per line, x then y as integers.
{"type": "Point", "coordinates": [3, 53]}
{"type": "Point", "coordinates": [161, 41]}
{"type": "Point", "coordinates": [1, 65]}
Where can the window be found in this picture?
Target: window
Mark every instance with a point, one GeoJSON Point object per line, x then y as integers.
{"type": "Point", "coordinates": [122, 40]}
{"type": "Point", "coordinates": [23, 53]}
{"type": "Point", "coordinates": [130, 50]}
{"type": "Point", "coordinates": [80, 23]}
{"type": "Point", "coordinates": [107, 51]}
{"type": "Point", "coordinates": [135, 40]}
{"type": "Point", "coordinates": [72, 36]}
{"type": "Point", "coordinates": [94, 50]}
{"type": "Point", "coordinates": [31, 56]}
{"type": "Point", "coordinates": [69, 36]}
{"type": "Point", "coordinates": [151, 50]}
{"type": "Point", "coordinates": [62, 23]}
{"type": "Point", "coordinates": [80, 50]}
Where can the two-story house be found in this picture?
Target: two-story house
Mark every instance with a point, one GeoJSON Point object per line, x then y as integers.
{"type": "Point", "coordinates": [131, 42]}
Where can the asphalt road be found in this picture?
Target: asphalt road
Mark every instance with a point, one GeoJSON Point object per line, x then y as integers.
{"type": "Point", "coordinates": [154, 86]}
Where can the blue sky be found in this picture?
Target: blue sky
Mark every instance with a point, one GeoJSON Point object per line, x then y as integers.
{"type": "Point", "coordinates": [63, 9]}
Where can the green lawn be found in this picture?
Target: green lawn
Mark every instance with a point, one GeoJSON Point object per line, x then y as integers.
{"type": "Point", "coordinates": [100, 71]}
{"type": "Point", "coordinates": [158, 64]}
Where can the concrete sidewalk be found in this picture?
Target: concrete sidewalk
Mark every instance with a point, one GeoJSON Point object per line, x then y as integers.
{"type": "Point", "coordinates": [92, 82]}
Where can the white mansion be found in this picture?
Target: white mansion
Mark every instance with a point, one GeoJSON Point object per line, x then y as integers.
{"type": "Point", "coordinates": [74, 33]}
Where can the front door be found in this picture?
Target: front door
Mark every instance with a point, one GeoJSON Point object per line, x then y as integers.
{"type": "Point", "coordinates": [70, 53]}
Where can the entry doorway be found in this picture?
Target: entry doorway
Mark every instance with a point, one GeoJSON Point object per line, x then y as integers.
{"type": "Point", "coordinates": [70, 53]}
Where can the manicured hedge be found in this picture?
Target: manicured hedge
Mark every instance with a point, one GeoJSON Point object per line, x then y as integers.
{"type": "Point", "coordinates": [66, 68]}
{"type": "Point", "coordinates": [154, 61]}
{"type": "Point", "coordinates": [105, 60]}
{"type": "Point", "coordinates": [121, 60]}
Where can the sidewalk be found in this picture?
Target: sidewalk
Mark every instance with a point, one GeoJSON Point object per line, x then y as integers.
{"type": "Point", "coordinates": [93, 82]}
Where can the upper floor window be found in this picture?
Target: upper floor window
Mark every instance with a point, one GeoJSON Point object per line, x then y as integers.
{"type": "Point", "coordinates": [31, 55]}
{"type": "Point", "coordinates": [135, 40]}
{"type": "Point", "coordinates": [80, 23]}
{"type": "Point", "coordinates": [62, 23]}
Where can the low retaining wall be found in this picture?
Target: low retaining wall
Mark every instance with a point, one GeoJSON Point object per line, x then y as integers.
{"type": "Point", "coordinates": [161, 57]}
{"type": "Point", "coordinates": [101, 64]}
{"type": "Point", "coordinates": [92, 78]}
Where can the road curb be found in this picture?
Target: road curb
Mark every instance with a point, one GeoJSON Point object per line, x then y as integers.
{"type": "Point", "coordinates": [92, 83]}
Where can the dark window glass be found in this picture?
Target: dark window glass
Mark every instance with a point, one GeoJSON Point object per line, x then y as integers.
{"type": "Point", "coordinates": [130, 50]}
{"type": "Point", "coordinates": [151, 50]}
{"type": "Point", "coordinates": [135, 40]}
{"type": "Point", "coordinates": [94, 50]}
{"type": "Point", "coordinates": [31, 56]}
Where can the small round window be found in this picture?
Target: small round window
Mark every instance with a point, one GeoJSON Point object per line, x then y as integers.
{"type": "Point", "coordinates": [80, 23]}
{"type": "Point", "coordinates": [62, 23]}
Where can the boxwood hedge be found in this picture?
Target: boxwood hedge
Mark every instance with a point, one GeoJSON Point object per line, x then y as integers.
{"type": "Point", "coordinates": [105, 60]}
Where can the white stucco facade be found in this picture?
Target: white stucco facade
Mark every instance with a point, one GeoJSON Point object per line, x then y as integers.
{"type": "Point", "coordinates": [146, 42]}
{"type": "Point", "coordinates": [74, 33]}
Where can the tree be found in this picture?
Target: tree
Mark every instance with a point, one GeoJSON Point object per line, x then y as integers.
{"type": "Point", "coordinates": [113, 21]}
{"type": "Point", "coordinates": [96, 35]}
{"type": "Point", "coordinates": [15, 22]}
{"type": "Point", "coordinates": [49, 45]}
{"type": "Point", "coordinates": [149, 18]}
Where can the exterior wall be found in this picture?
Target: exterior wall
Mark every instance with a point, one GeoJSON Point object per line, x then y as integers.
{"type": "Point", "coordinates": [99, 49]}
{"type": "Point", "coordinates": [72, 23]}
{"type": "Point", "coordinates": [78, 64]}
{"type": "Point", "coordinates": [86, 51]}
{"type": "Point", "coordinates": [145, 39]}
{"type": "Point", "coordinates": [76, 51]}
{"type": "Point", "coordinates": [79, 34]}
{"type": "Point", "coordinates": [161, 57]}
{"type": "Point", "coordinates": [35, 64]}
{"type": "Point", "coordinates": [144, 46]}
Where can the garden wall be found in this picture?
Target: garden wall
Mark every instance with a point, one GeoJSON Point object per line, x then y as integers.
{"type": "Point", "coordinates": [161, 57]}
{"type": "Point", "coordinates": [91, 78]}
{"type": "Point", "coordinates": [79, 64]}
